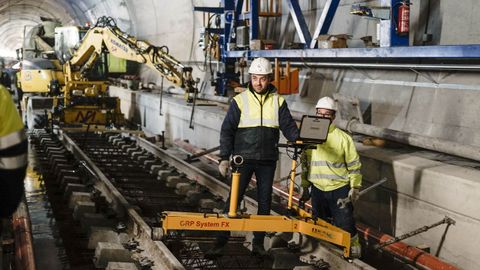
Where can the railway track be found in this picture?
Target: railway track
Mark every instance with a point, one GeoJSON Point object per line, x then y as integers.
{"type": "Point", "coordinates": [117, 184]}
{"type": "Point", "coordinates": [130, 182]}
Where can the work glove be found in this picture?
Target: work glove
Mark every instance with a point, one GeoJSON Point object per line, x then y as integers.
{"type": "Point", "coordinates": [305, 194]}
{"type": "Point", "coordinates": [354, 194]}
{"type": "Point", "coordinates": [223, 167]}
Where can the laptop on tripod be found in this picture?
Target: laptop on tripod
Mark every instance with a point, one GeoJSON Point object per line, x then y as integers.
{"type": "Point", "coordinates": [314, 129]}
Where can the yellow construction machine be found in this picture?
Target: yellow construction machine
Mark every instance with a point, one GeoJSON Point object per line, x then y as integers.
{"type": "Point", "coordinates": [77, 94]}
{"type": "Point", "coordinates": [39, 72]}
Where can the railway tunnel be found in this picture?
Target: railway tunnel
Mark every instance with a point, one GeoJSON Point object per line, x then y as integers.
{"type": "Point", "coordinates": [123, 104]}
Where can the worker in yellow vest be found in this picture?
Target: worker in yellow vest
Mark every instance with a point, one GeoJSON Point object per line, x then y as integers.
{"type": "Point", "coordinates": [332, 171]}
{"type": "Point", "coordinates": [13, 155]}
{"type": "Point", "coordinates": [251, 129]}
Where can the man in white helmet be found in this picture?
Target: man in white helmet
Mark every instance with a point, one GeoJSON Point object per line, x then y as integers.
{"type": "Point", "coordinates": [251, 129]}
{"type": "Point", "coordinates": [332, 172]}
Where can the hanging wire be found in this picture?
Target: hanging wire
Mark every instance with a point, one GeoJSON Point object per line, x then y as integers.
{"type": "Point", "coordinates": [290, 153]}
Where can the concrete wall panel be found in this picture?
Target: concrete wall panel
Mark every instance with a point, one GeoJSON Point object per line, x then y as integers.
{"type": "Point", "coordinates": [381, 208]}
{"type": "Point", "coordinates": [421, 192]}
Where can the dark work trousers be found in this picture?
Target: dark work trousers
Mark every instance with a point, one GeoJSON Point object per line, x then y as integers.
{"type": "Point", "coordinates": [12, 190]}
{"type": "Point", "coordinates": [324, 206]}
{"type": "Point", "coordinates": [264, 173]}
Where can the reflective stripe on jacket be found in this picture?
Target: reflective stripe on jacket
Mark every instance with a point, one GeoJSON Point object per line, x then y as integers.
{"type": "Point", "coordinates": [12, 138]}
{"type": "Point", "coordinates": [13, 163]}
{"type": "Point", "coordinates": [13, 150]}
{"type": "Point", "coordinates": [332, 164]}
{"type": "Point", "coordinates": [258, 110]}
{"type": "Point", "coordinates": [256, 138]}
{"type": "Point", "coordinates": [258, 128]}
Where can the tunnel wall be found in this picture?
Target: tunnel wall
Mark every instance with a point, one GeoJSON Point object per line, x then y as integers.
{"type": "Point", "coordinates": [437, 104]}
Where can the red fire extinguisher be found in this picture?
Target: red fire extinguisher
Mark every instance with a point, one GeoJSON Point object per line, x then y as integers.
{"type": "Point", "coordinates": [403, 21]}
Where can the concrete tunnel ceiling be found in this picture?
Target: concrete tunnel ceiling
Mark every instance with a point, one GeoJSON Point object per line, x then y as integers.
{"type": "Point", "coordinates": [17, 16]}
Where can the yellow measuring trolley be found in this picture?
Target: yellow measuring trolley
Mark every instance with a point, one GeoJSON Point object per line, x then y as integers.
{"type": "Point", "coordinates": [313, 130]}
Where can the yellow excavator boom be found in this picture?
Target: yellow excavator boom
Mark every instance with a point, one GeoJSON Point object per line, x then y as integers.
{"type": "Point", "coordinates": [105, 35]}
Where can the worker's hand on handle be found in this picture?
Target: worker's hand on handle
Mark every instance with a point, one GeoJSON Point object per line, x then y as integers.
{"type": "Point", "coordinates": [354, 194]}
{"type": "Point", "coordinates": [223, 167]}
{"type": "Point", "coordinates": [305, 194]}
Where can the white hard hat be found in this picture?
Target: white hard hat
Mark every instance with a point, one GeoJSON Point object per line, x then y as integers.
{"type": "Point", "coordinates": [326, 103]}
{"type": "Point", "coordinates": [260, 66]}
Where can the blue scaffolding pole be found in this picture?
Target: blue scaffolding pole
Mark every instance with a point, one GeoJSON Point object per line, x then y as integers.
{"type": "Point", "coordinates": [399, 49]}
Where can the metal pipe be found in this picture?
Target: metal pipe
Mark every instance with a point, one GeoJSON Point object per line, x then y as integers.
{"type": "Point", "coordinates": [208, 151]}
{"type": "Point", "coordinates": [180, 91]}
{"type": "Point", "coordinates": [439, 145]}
{"type": "Point", "coordinates": [292, 182]}
{"type": "Point", "coordinates": [232, 212]}
{"type": "Point", "coordinates": [24, 255]}
{"type": "Point", "coordinates": [409, 253]}
{"type": "Point", "coordinates": [388, 66]}
{"type": "Point", "coordinates": [445, 220]}
{"type": "Point", "coordinates": [213, 98]}
{"type": "Point", "coordinates": [211, 158]}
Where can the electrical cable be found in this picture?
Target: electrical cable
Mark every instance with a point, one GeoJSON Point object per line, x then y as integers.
{"type": "Point", "coordinates": [164, 49]}
{"type": "Point", "coordinates": [427, 20]}
{"type": "Point", "coordinates": [192, 45]}
{"type": "Point", "coordinates": [212, 45]}
{"type": "Point", "coordinates": [290, 153]}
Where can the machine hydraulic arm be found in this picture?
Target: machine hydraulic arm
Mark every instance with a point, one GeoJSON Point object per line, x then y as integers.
{"type": "Point", "coordinates": [106, 36]}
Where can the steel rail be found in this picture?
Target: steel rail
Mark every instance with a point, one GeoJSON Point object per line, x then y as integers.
{"type": "Point", "coordinates": [213, 184]}
{"type": "Point", "coordinates": [161, 255]}
{"type": "Point", "coordinates": [140, 228]}
{"type": "Point", "coordinates": [219, 188]}
{"type": "Point", "coordinates": [24, 251]}
{"type": "Point", "coordinates": [215, 159]}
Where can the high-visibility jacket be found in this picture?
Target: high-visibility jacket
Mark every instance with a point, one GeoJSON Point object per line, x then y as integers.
{"type": "Point", "coordinates": [332, 164]}
{"type": "Point", "coordinates": [12, 134]}
{"type": "Point", "coordinates": [13, 155]}
{"type": "Point", "coordinates": [258, 110]}
{"type": "Point", "coordinates": [252, 125]}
